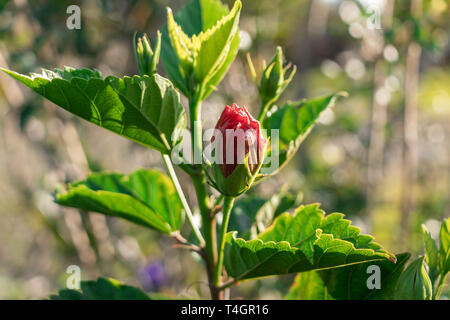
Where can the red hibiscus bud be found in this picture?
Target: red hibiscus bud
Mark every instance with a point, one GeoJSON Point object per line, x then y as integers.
{"type": "Point", "coordinates": [240, 150]}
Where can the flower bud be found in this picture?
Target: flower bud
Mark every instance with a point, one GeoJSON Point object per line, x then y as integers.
{"type": "Point", "coordinates": [274, 80]}
{"type": "Point", "coordinates": [240, 147]}
{"type": "Point", "coordinates": [146, 58]}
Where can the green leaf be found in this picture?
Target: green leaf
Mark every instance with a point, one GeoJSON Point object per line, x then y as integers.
{"type": "Point", "coordinates": [304, 241]}
{"type": "Point", "coordinates": [144, 109]}
{"type": "Point", "coordinates": [182, 45]}
{"type": "Point", "coordinates": [218, 49]}
{"type": "Point", "coordinates": [244, 213]}
{"type": "Point", "coordinates": [294, 120]}
{"type": "Point", "coordinates": [102, 289]}
{"type": "Point", "coordinates": [211, 12]}
{"type": "Point", "coordinates": [348, 283]}
{"type": "Point", "coordinates": [199, 44]}
{"type": "Point", "coordinates": [217, 77]}
{"type": "Point", "coordinates": [252, 214]}
{"type": "Point", "coordinates": [145, 197]}
{"type": "Point", "coordinates": [414, 283]}
{"type": "Point", "coordinates": [444, 251]}
{"type": "Point", "coordinates": [431, 254]}
{"type": "Point", "coordinates": [308, 286]}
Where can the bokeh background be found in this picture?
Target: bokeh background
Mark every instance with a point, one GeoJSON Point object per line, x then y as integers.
{"type": "Point", "coordinates": [381, 156]}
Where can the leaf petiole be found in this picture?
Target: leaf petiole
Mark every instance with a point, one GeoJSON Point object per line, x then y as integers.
{"type": "Point", "coordinates": [190, 217]}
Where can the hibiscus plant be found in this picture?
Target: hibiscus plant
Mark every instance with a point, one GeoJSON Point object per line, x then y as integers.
{"type": "Point", "coordinates": [197, 47]}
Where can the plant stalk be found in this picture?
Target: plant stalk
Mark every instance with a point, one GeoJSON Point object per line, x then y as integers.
{"type": "Point", "coordinates": [200, 185]}
{"type": "Point", "coordinates": [227, 206]}
{"type": "Point", "coordinates": [195, 113]}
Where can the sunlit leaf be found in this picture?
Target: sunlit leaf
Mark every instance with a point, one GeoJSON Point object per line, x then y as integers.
{"type": "Point", "coordinates": [213, 58]}
{"type": "Point", "coordinates": [144, 109]}
{"type": "Point", "coordinates": [348, 283]}
{"type": "Point", "coordinates": [181, 44]}
{"type": "Point", "coordinates": [414, 283]}
{"type": "Point", "coordinates": [309, 286]}
{"type": "Point", "coordinates": [199, 43]}
{"type": "Point", "coordinates": [145, 197]}
{"type": "Point", "coordinates": [293, 122]}
{"type": "Point", "coordinates": [444, 251]}
{"type": "Point", "coordinates": [431, 254]}
{"type": "Point", "coordinates": [307, 240]}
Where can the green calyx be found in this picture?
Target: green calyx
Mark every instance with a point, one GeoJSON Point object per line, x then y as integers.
{"type": "Point", "coordinates": [239, 181]}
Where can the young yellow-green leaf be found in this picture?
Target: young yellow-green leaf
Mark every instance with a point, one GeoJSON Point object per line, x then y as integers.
{"type": "Point", "coordinates": [182, 45]}
{"type": "Point", "coordinates": [199, 44]}
{"type": "Point", "coordinates": [414, 283]}
{"type": "Point", "coordinates": [444, 251]}
{"type": "Point", "coordinates": [101, 289]}
{"type": "Point", "coordinates": [144, 109]}
{"type": "Point", "coordinates": [350, 282]}
{"type": "Point", "coordinates": [217, 77]}
{"type": "Point", "coordinates": [431, 254]}
{"type": "Point", "coordinates": [211, 12]}
{"type": "Point", "coordinates": [294, 120]}
{"type": "Point", "coordinates": [145, 197]}
{"type": "Point", "coordinates": [304, 241]}
{"type": "Point", "coordinates": [215, 46]}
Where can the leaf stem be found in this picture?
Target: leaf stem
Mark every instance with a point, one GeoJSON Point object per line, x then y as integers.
{"type": "Point", "coordinates": [190, 217]}
{"type": "Point", "coordinates": [182, 242]}
{"type": "Point", "coordinates": [227, 284]}
{"type": "Point", "coordinates": [227, 206]}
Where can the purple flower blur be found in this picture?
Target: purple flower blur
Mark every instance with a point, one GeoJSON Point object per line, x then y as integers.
{"type": "Point", "coordinates": [153, 276]}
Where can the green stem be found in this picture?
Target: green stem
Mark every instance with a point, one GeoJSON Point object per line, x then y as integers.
{"type": "Point", "coordinates": [228, 284]}
{"type": "Point", "coordinates": [207, 221]}
{"type": "Point", "coordinates": [263, 111]}
{"type": "Point", "coordinates": [200, 185]}
{"type": "Point", "coordinates": [184, 202]}
{"type": "Point", "coordinates": [227, 206]}
{"type": "Point", "coordinates": [195, 113]}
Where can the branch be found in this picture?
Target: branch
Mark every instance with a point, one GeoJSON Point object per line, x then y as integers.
{"type": "Point", "coordinates": [183, 243]}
